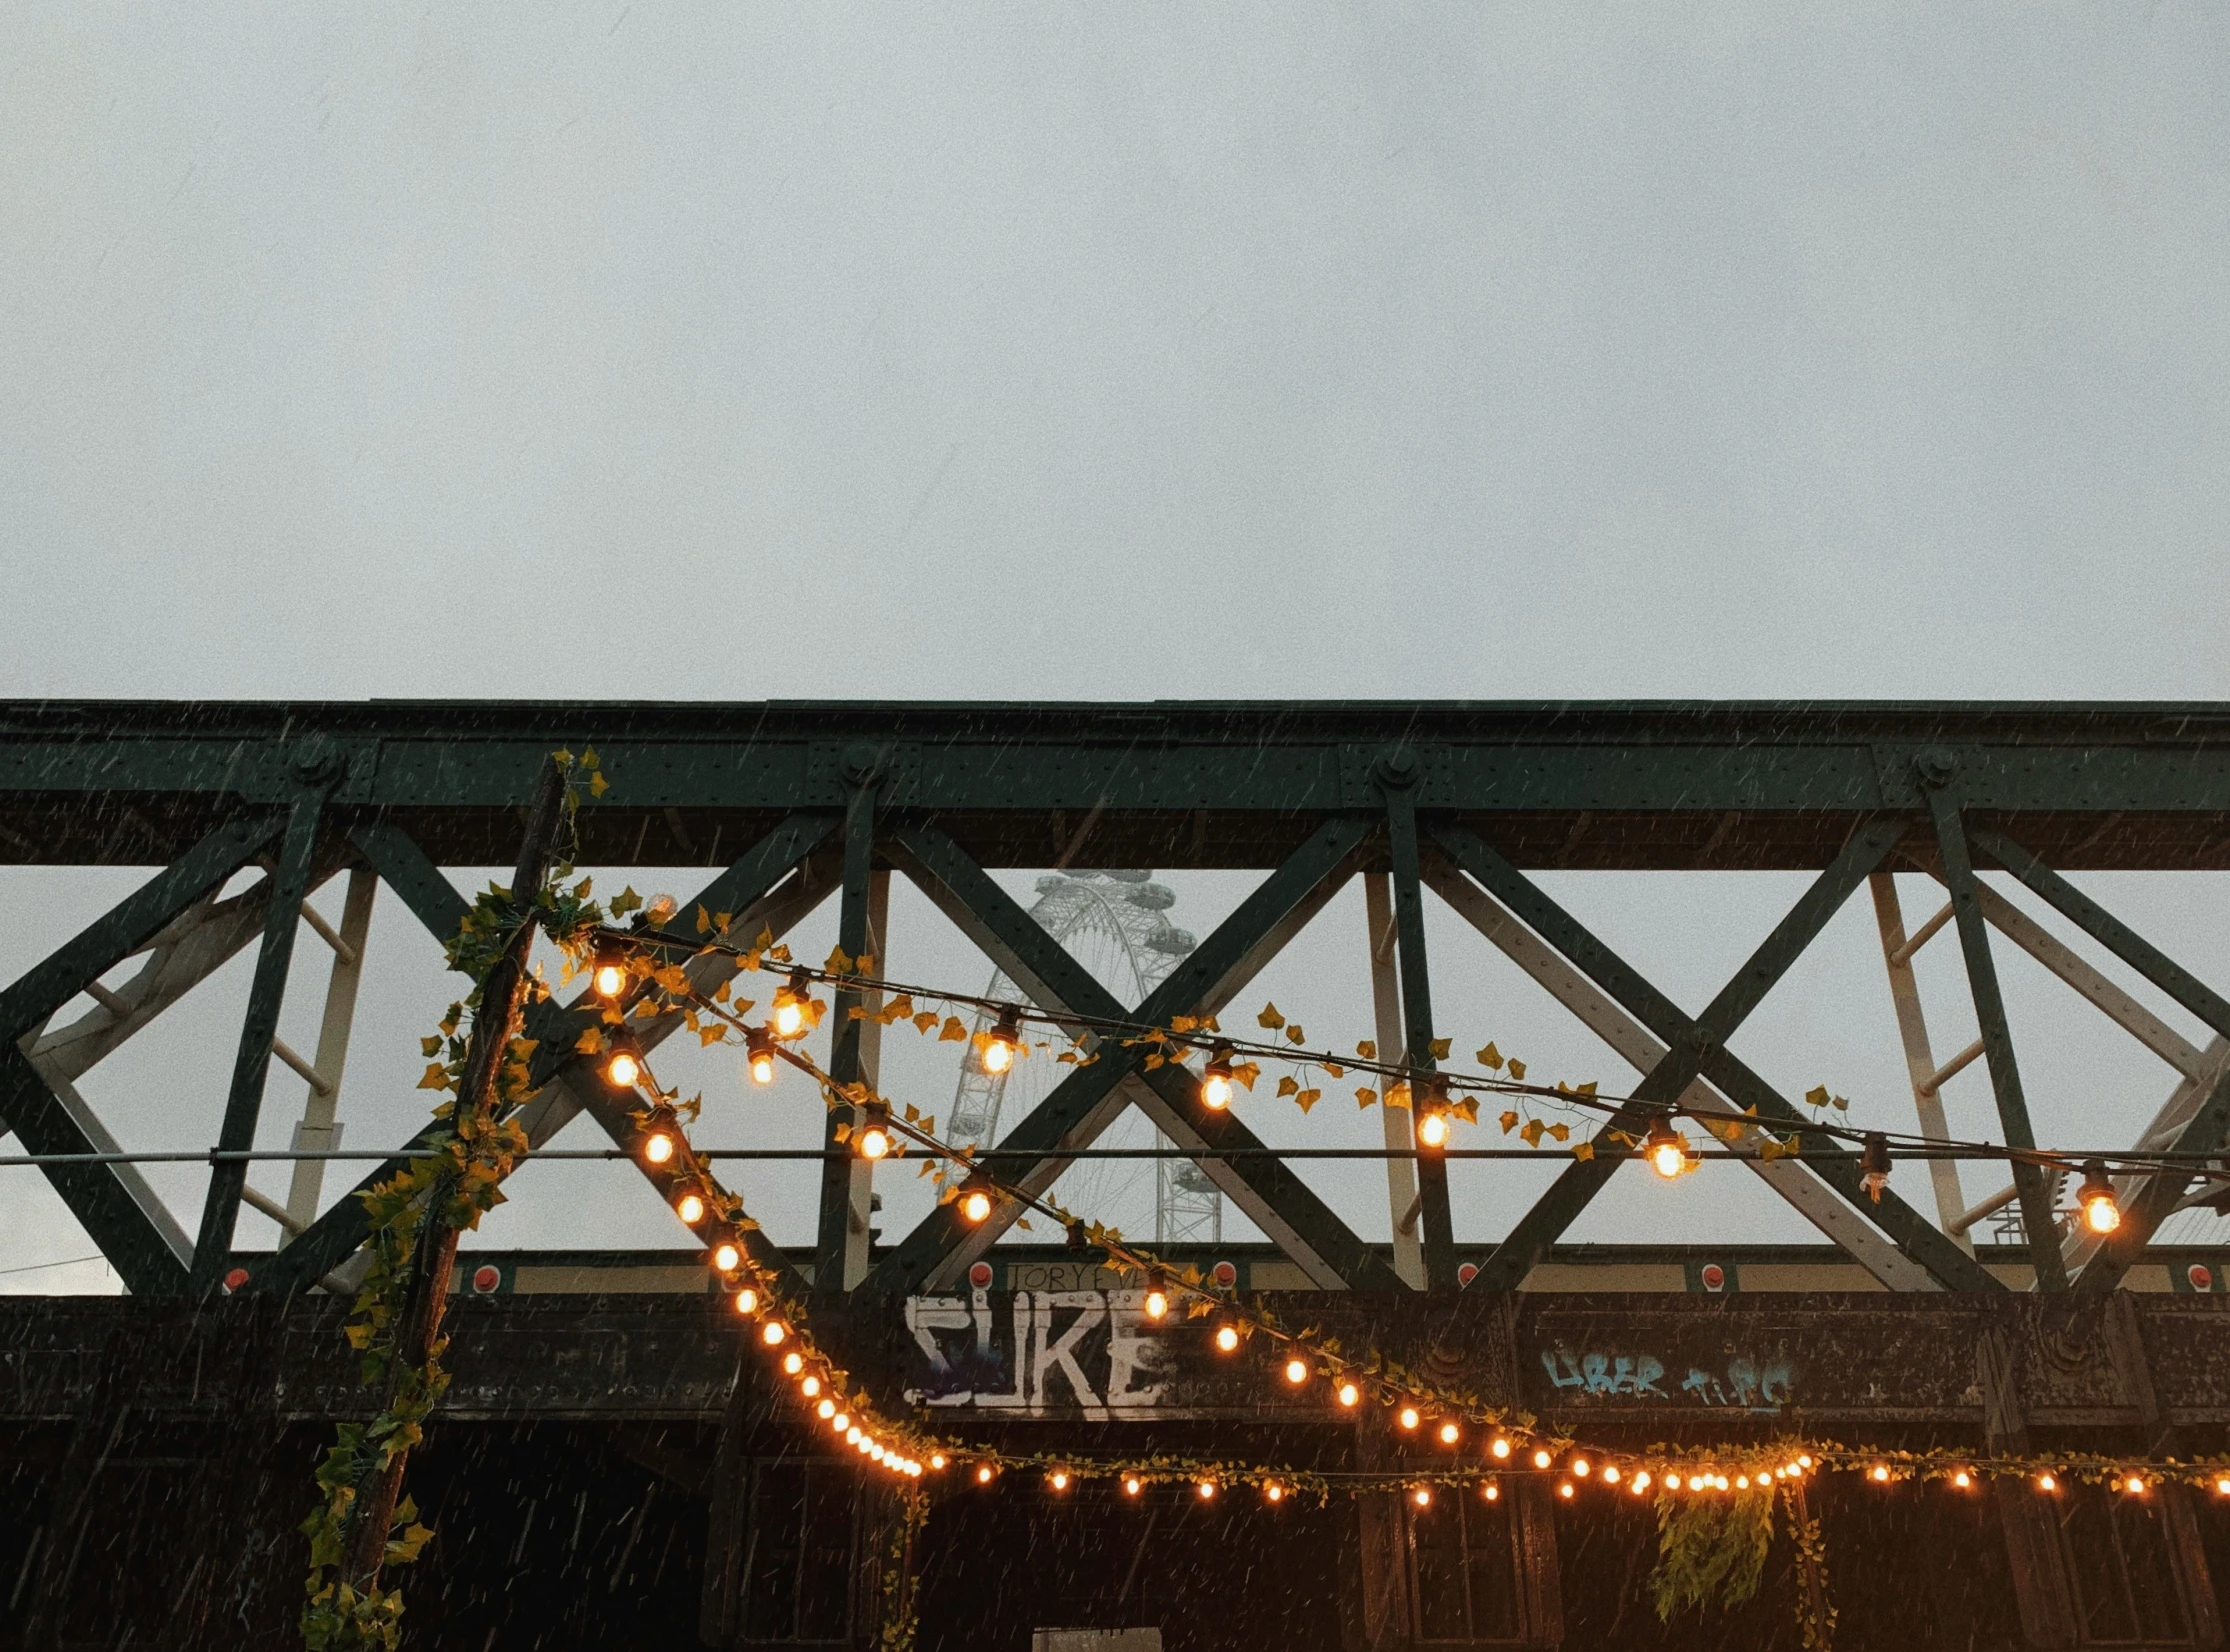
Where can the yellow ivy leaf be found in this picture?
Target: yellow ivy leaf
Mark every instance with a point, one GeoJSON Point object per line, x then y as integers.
{"type": "Point", "coordinates": [1532, 1133]}
{"type": "Point", "coordinates": [1307, 1099]}
{"type": "Point", "coordinates": [1489, 1057]}
{"type": "Point", "coordinates": [1246, 1072]}
{"type": "Point", "coordinates": [839, 961]}
{"type": "Point", "coordinates": [437, 1078]}
{"type": "Point", "coordinates": [1517, 1069]}
{"type": "Point", "coordinates": [430, 1045]}
{"type": "Point", "coordinates": [1288, 1085]}
{"type": "Point", "coordinates": [1439, 1048]}
{"type": "Point", "coordinates": [1334, 1069]}
{"type": "Point", "coordinates": [1366, 1097]}
{"type": "Point", "coordinates": [1817, 1095]}
{"type": "Point", "coordinates": [952, 1032]}
{"type": "Point", "coordinates": [925, 1020]}
{"type": "Point", "coordinates": [1270, 1017]}
{"type": "Point", "coordinates": [1584, 1152]}
{"type": "Point", "coordinates": [1562, 1132]}
{"type": "Point", "coordinates": [1367, 1050]}
{"type": "Point", "coordinates": [1509, 1122]}
{"type": "Point", "coordinates": [597, 784]}
{"type": "Point", "coordinates": [704, 920]}
{"type": "Point", "coordinates": [711, 1035]}
{"type": "Point", "coordinates": [1397, 1095]}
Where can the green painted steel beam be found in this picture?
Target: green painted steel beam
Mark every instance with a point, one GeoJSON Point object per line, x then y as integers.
{"type": "Point", "coordinates": [1835, 1165]}
{"type": "Point", "coordinates": [1081, 1105]}
{"type": "Point", "coordinates": [2031, 1186]}
{"type": "Point", "coordinates": [96, 1194]}
{"type": "Point", "coordinates": [290, 884]}
{"type": "Point", "coordinates": [2208, 1129]}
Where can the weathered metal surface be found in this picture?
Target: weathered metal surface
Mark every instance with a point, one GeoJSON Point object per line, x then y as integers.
{"type": "Point", "coordinates": [1657, 785]}
{"type": "Point", "coordinates": [1669, 1366]}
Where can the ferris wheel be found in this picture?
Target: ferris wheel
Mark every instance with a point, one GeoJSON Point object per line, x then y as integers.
{"type": "Point", "coordinates": [1116, 924]}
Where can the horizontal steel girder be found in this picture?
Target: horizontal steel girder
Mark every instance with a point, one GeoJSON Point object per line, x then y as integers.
{"type": "Point", "coordinates": [1673, 785]}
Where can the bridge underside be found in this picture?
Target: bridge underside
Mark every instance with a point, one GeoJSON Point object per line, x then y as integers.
{"type": "Point", "coordinates": [611, 1471]}
{"type": "Point", "coordinates": [602, 1475]}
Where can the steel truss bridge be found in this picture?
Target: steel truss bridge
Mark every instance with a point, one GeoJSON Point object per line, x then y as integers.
{"type": "Point", "coordinates": [788, 806]}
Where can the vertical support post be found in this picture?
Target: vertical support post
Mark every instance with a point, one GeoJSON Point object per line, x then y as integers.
{"type": "Point", "coordinates": [859, 1230]}
{"type": "Point", "coordinates": [1398, 773]}
{"type": "Point", "coordinates": [290, 882]}
{"type": "Point", "coordinates": [1920, 1061]}
{"type": "Point", "coordinates": [1401, 1173]}
{"type": "Point", "coordinates": [833, 1252]}
{"type": "Point", "coordinates": [1938, 770]}
{"type": "Point", "coordinates": [317, 1132]}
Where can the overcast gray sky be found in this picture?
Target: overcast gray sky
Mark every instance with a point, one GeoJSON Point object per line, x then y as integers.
{"type": "Point", "coordinates": [1122, 352]}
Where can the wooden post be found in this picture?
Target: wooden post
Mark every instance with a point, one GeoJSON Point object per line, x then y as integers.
{"type": "Point", "coordinates": [435, 1258]}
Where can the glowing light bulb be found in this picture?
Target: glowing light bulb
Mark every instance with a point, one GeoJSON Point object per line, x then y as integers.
{"type": "Point", "coordinates": [1640, 1482]}
{"type": "Point", "coordinates": [1296, 1371]}
{"type": "Point", "coordinates": [1350, 1395]}
{"type": "Point", "coordinates": [854, 1434]}
{"type": "Point", "coordinates": [1207, 1490]}
{"type": "Point", "coordinates": [1564, 1490]}
{"type": "Point", "coordinates": [793, 1363]}
{"type": "Point", "coordinates": [2134, 1486]}
{"type": "Point", "coordinates": [658, 1147]}
{"type": "Point", "coordinates": [1666, 1149]}
{"type": "Point", "coordinates": [1501, 1446]}
{"type": "Point", "coordinates": [873, 1140]}
{"type": "Point", "coordinates": [1610, 1474]}
{"type": "Point", "coordinates": [825, 1410]}
{"type": "Point", "coordinates": [690, 1209]}
{"type": "Point", "coordinates": [1672, 1482]}
{"type": "Point", "coordinates": [1450, 1433]}
{"type": "Point", "coordinates": [1227, 1339]}
{"type": "Point", "coordinates": [1001, 1043]}
{"type": "Point", "coordinates": [1432, 1129]}
{"type": "Point", "coordinates": [1719, 1480]}
{"type": "Point", "coordinates": [983, 1474]}
{"type": "Point", "coordinates": [1492, 1491]}
{"type": "Point", "coordinates": [758, 1055]}
{"type": "Point", "coordinates": [1058, 1480]}
{"type": "Point", "coordinates": [1132, 1485]}
{"type": "Point", "coordinates": [936, 1459]}
{"type": "Point", "coordinates": [810, 1387]}
{"type": "Point", "coordinates": [1962, 1479]}
{"type": "Point", "coordinates": [840, 1424]}
{"type": "Point", "coordinates": [1541, 1459]}
{"type": "Point", "coordinates": [623, 1066]}
{"type": "Point", "coordinates": [2096, 1197]}
{"type": "Point", "coordinates": [974, 1207]}
{"type": "Point", "coordinates": [1421, 1496]}
{"type": "Point", "coordinates": [2222, 1486]}
{"type": "Point", "coordinates": [773, 1332]}
{"type": "Point", "coordinates": [1742, 1482]}
{"type": "Point", "coordinates": [1580, 1467]}
{"type": "Point", "coordinates": [1272, 1491]}
{"type": "Point", "coordinates": [1408, 1417]}
{"type": "Point", "coordinates": [1157, 1303]}
{"type": "Point", "coordinates": [1879, 1474]}
{"type": "Point", "coordinates": [725, 1256]}
{"type": "Point", "coordinates": [1216, 1080]}
{"type": "Point", "coordinates": [1804, 1460]}
{"type": "Point", "coordinates": [608, 975]}
{"type": "Point", "coordinates": [792, 1005]}
{"type": "Point", "coordinates": [747, 1301]}
{"type": "Point", "coordinates": [2045, 1482]}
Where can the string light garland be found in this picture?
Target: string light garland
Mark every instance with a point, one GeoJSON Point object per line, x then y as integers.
{"type": "Point", "coordinates": [796, 1011]}
{"type": "Point", "coordinates": [909, 1452]}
